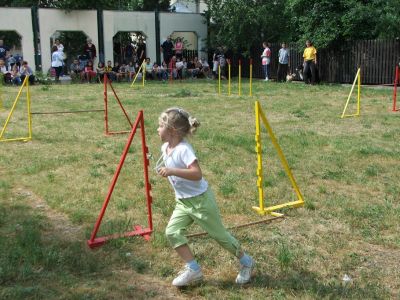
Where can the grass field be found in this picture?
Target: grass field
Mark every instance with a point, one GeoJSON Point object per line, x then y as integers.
{"type": "Point", "coordinates": [348, 170]}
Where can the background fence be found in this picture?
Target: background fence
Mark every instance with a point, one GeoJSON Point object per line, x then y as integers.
{"type": "Point", "coordinates": [377, 59]}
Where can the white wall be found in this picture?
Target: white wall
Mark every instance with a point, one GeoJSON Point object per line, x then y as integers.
{"type": "Point", "coordinates": [115, 21]}
{"type": "Point", "coordinates": [51, 20]}
{"type": "Point", "coordinates": [19, 20]}
{"type": "Point", "coordinates": [170, 22]}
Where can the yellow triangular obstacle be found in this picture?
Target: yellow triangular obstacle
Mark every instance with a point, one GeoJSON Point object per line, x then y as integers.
{"type": "Point", "coordinates": [271, 209]}
{"type": "Point", "coordinates": [358, 80]}
{"type": "Point", "coordinates": [28, 104]}
{"type": "Point", "coordinates": [143, 69]}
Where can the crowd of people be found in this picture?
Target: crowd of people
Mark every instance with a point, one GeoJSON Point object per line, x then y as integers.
{"type": "Point", "coordinates": [308, 70]}
{"type": "Point", "coordinates": [13, 69]}
{"type": "Point", "coordinates": [174, 65]}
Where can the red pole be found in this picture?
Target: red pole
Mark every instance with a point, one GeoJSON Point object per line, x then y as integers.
{"type": "Point", "coordinates": [120, 104]}
{"type": "Point", "coordinates": [105, 103]}
{"type": "Point", "coordinates": [115, 178]}
{"type": "Point", "coordinates": [396, 81]}
{"type": "Point", "coordinates": [170, 68]}
{"type": "Point", "coordinates": [146, 163]}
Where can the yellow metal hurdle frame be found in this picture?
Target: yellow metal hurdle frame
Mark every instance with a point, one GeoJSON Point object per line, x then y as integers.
{"type": "Point", "coordinates": [358, 80]}
{"type": "Point", "coordinates": [271, 209]}
{"type": "Point", "coordinates": [142, 68]}
{"type": "Point", "coordinates": [28, 103]}
{"type": "Point", "coordinates": [1, 93]}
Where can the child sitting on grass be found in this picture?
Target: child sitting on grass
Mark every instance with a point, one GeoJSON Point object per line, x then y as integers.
{"type": "Point", "coordinates": [195, 202]}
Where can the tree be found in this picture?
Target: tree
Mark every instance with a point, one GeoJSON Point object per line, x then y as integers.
{"type": "Point", "coordinates": [330, 22]}
{"type": "Point", "coordinates": [240, 24]}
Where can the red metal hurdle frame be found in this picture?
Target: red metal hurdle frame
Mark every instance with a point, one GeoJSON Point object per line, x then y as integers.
{"type": "Point", "coordinates": [396, 82]}
{"type": "Point", "coordinates": [107, 131]}
{"type": "Point", "coordinates": [138, 230]}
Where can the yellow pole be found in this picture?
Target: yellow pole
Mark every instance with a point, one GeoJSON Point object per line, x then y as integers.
{"type": "Point", "coordinates": [240, 78]}
{"type": "Point", "coordinates": [281, 155]}
{"type": "Point", "coordinates": [359, 92]}
{"type": "Point", "coordinates": [259, 161]}
{"type": "Point", "coordinates": [137, 73]}
{"type": "Point", "coordinates": [28, 104]}
{"type": "Point", "coordinates": [13, 107]}
{"type": "Point", "coordinates": [144, 73]}
{"type": "Point", "coordinates": [219, 80]}
{"type": "Point", "coordinates": [351, 91]}
{"type": "Point", "coordinates": [229, 79]}
{"type": "Point", "coordinates": [1, 93]}
{"type": "Point", "coordinates": [251, 76]}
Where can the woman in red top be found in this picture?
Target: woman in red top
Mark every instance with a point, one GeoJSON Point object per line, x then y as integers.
{"type": "Point", "coordinates": [179, 48]}
{"type": "Point", "coordinates": [89, 73]}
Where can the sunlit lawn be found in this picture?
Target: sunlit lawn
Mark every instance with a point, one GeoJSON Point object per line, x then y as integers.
{"type": "Point", "coordinates": [52, 189]}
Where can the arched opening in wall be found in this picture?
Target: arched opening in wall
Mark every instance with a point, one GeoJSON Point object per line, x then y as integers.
{"type": "Point", "coordinates": [11, 48]}
{"type": "Point", "coordinates": [129, 46]}
{"type": "Point", "coordinates": [72, 44]}
{"type": "Point", "coordinates": [189, 41]}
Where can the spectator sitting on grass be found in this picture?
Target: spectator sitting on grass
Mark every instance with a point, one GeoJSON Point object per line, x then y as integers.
{"type": "Point", "coordinates": [100, 70]}
{"type": "Point", "coordinates": [131, 70]}
{"type": "Point", "coordinates": [26, 70]}
{"type": "Point", "coordinates": [109, 71]}
{"type": "Point", "coordinates": [5, 73]}
{"type": "Point", "coordinates": [123, 71]}
{"type": "Point", "coordinates": [205, 67]}
{"type": "Point", "coordinates": [89, 73]}
{"type": "Point", "coordinates": [149, 68]}
{"type": "Point", "coordinates": [15, 75]}
{"type": "Point", "coordinates": [75, 70]}
{"type": "Point", "coordinates": [115, 71]}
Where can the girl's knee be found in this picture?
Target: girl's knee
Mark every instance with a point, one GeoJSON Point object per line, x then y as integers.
{"type": "Point", "coordinates": [175, 237]}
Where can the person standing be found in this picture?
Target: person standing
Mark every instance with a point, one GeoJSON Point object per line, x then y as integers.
{"type": "Point", "coordinates": [141, 51]}
{"type": "Point", "coordinates": [194, 200]}
{"type": "Point", "coordinates": [179, 48]}
{"type": "Point", "coordinates": [90, 50]}
{"type": "Point", "coordinates": [266, 59]}
{"type": "Point", "coordinates": [167, 49]}
{"type": "Point", "coordinates": [4, 51]}
{"type": "Point", "coordinates": [283, 66]}
{"type": "Point", "coordinates": [310, 62]}
{"type": "Point", "coordinates": [58, 44]}
{"type": "Point", "coordinates": [57, 61]}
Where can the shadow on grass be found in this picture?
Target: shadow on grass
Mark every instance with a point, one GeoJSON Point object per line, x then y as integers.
{"type": "Point", "coordinates": [294, 283]}
{"type": "Point", "coordinates": [35, 261]}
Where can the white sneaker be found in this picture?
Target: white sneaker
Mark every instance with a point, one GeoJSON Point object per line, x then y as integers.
{"type": "Point", "coordinates": [187, 276]}
{"type": "Point", "coordinates": [244, 275]}
{"type": "Point", "coordinates": [266, 79]}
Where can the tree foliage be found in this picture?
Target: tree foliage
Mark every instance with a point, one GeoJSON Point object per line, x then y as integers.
{"type": "Point", "coordinates": [239, 24]}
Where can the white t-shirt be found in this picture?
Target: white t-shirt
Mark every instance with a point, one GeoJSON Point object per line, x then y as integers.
{"type": "Point", "coordinates": [57, 59]}
{"type": "Point", "coordinates": [182, 156]}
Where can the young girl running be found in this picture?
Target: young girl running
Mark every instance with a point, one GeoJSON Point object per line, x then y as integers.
{"type": "Point", "coordinates": [195, 201]}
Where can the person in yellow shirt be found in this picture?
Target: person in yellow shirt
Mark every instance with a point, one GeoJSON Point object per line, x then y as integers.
{"type": "Point", "coordinates": [310, 62]}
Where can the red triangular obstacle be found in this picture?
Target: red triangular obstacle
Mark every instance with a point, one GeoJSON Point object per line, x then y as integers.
{"type": "Point", "coordinates": [138, 230]}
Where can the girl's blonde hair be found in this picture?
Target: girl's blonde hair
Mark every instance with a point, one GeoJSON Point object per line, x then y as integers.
{"type": "Point", "coordinates": [181, 121]}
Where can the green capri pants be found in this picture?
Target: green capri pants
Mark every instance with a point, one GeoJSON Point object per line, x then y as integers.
{"type": "Point", "coordinates": [202, 210]}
